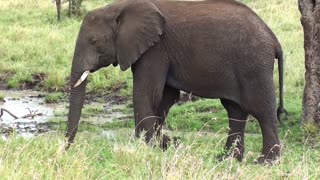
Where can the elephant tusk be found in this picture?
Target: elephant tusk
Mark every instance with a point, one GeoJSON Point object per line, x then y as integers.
{"type": "Point", "coordinates": [82, 78]}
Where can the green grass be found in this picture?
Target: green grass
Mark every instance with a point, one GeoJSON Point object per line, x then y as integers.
{"type": "Point", "coordinates": [2, 96]}
{"type": "Point", "coordinates": [94, 156]}
{"type": "Point", "coordinates": [53, 97]}
{"type": "Point", "coordinates": [34, 43]}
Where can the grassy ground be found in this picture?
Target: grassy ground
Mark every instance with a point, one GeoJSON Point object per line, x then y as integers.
{"type": "Point", "coordinates": [36, 51]}
{"type": "Point", "coordinates": [36, 48]}
{"type": "Point", "coordinates": [95, 156]}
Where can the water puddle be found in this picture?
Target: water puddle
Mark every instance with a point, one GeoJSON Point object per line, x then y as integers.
{"type": "Point", "coordinates": [23, 112]}
{"type": "Point", "coordinates": [117, 134]}
{"type": "Point", "coordinates": [108, 134]}
{"type": "Point", "coordinates": [111, 113]}
{"type": "Point", "coordinates": [26, 114]}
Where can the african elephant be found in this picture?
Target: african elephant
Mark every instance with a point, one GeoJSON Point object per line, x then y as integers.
{"type": "Point", "coordinates": [214, 49]}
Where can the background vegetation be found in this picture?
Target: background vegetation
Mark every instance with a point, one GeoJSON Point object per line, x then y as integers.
{"type": "Point", "coordinates": [36, 52]}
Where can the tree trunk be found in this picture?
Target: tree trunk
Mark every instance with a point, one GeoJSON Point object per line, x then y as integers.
{"type": "Point", "coordinates": [310, 20]}
{"type": "Point", "coordinates": [70, 7]}
{"type": "Point", "coordinates": [58, 5]}
{"type": "Point", "coordinates": [74, 8]}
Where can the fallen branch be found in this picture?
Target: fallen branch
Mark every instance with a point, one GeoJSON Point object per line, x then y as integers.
{"type": "Point", "coordinates": [10, 113]}
{"type": "Point", "coordinates": [32, 114]}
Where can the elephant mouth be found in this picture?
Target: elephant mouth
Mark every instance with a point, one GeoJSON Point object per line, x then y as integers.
{"type": "Point", "coordinates": [102, 63]}
{"type": "Point", "coordinates": [106, 60]}
{"type": "Point", "coordinates": [82, 78]}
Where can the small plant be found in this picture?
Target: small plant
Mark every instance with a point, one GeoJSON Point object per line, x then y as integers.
{"type": "Point", "coordinates": [92, 110]}
{"type": "Point", "coordinates": [311, 129]}
{"type": "Point", "coordinates": [2, 98]}
{"type": "Point", "coordinates": [53, 97]}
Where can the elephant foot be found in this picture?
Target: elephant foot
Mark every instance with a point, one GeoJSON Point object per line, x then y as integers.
{"type": "Point", "coordinates": [270, 159]}
{"type": "Point", "coordinates": [266, 161]}
{"type": "Point", "coordinates": [236, 153]}
{"type": "Point", "coordinates": [166, 141]}
{"type": "Point", "coordinates": [67, 145]}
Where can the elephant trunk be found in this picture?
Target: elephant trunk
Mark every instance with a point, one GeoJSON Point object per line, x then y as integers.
{"type": "Point", "coordinates": [77, 95]}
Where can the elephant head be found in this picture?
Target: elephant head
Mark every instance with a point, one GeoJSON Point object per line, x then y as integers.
{"type": "Point", "coordinates": [116, 34]}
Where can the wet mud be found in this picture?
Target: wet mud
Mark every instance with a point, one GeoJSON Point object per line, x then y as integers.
{"type": "Point", "coordinates": [23, 113]}
{"type": "Point", "coordinates": [26, 114]}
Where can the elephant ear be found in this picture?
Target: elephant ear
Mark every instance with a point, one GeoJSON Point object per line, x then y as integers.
{"type": "Point", "coordinates": [140, 24]}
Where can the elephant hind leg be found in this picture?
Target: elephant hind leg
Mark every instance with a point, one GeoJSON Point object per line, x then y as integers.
{"type": "Point", "coordinates": [261, 103]}
{"type": "Point", "coordinates": [169, 97]}
{"type": "Point", "coordinates": [271, 142]}
{"type": "Point", "coordinates": [237, 122]}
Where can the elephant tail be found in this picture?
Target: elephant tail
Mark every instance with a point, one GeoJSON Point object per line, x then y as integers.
{"type": "Point", "coordinates": [280, 110]}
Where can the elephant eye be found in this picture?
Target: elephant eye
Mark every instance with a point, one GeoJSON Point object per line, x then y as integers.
{"type": "Point", "coordinates": [106, 38]}
{"type": "Point", "coordinates": [93, 41]}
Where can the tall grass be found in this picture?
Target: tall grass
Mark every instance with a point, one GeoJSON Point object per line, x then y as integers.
{"type": "Point", "coordinates": [33, 42]}
{"type": "Point", "coordinates": [122, 157]}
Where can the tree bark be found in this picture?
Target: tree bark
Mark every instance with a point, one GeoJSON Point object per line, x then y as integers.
{"type": "Point", "coordinates": [58, 5]}
{"type": "Point", "coordinates": [74, 7]}
{"type": "Point", "coordinates": [71, 2]}
{"type": "Point", "coordinates": [310, 20]}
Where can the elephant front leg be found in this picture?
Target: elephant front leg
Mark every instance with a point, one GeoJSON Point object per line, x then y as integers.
{"type": "Point", "coordinates": [144, 114]}
{"type": "Point", "coordinates": [149, 78]}
{"type": "Point", "coordinates": [147, 97]}
{"type": "Point", "coordinates": [150, 113]}
{"type": "Point", "coordinates": [169, 97]}
{"type": "Point", "coordinates": [145, 122]}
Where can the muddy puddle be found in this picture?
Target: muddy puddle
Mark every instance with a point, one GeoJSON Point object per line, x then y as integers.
{"type": "Point", "coordinates": [111, 113]}
{"type": "Point", "coordinates": [26, 113]}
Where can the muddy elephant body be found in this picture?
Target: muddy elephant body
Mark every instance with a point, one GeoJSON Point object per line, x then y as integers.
{"type": "Point", "coordinates": [213, 49]}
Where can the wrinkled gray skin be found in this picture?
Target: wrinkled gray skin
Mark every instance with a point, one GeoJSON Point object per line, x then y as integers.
{"type": "Point", "coordinates": [214, 49]}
